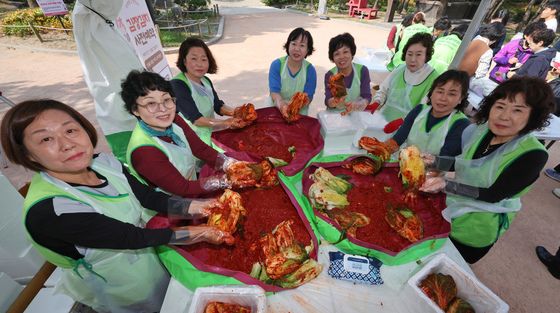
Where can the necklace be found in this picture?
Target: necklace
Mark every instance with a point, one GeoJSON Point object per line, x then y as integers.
{"type": "Point", "coordinates": [487, 149]}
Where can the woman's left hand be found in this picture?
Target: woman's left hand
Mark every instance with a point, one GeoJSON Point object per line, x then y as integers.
{"type": "Point", "coordinates": [433, 184]}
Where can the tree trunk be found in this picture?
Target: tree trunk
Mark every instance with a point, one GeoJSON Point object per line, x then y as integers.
{"type": "Point", "coordinates": [494, 7]}
{"type": "Point", "coordinates": [526, 17]}
{"type": "Point", "coordinates": [32, 3]}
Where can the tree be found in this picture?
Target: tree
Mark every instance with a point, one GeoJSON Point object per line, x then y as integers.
{"type": "Point", "coordinates": [494, 7]}
{"type": "Point", "coordinates": [528, 17]}
{"type": "Point", "coordinates": [32, 3]}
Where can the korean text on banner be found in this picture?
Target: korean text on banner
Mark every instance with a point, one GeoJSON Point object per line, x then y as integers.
{"type": "Point", "coordinates": [135, 24]}
{"type": "Point", "coordinates": [53, 7]}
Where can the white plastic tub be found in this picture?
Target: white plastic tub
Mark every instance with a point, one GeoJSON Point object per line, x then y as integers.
{"type": "Point", "coordinates": [246, 295]}
{"type": "Point", "coordinates": [482, 299]}
{"type": "Point", "coordinates": [338, 131]}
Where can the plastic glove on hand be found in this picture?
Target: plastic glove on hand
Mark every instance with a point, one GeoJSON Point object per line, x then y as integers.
{"type": "Point", "coordinates": [187, 235]}
{"type": "Point", "coordinates": [433, 184]}
{"type": "Point", "coordinates": [215, 182]}
{"type": "Point", "coordinates": [201, 207]}
{"type": "Point", "coordinates": [393, 126]}
{"type": "Point", "coordinates": [428, 159]}
{"type": "Point", "coordinates": [223, 162]}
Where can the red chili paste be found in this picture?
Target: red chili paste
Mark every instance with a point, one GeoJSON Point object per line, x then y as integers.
{"type": "Point", "coordinates": [266, 208]}
{"type": "Point", "coordinates": [262, 140]}
{"type": "Point", "coordinates": [369, 196]}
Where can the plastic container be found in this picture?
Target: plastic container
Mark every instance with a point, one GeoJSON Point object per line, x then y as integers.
{"type": "Point", "coordinates": [246, 295]}
{"type": "Point", "coordinates": [338, 131]}
{"type": "Point", "coordinates": [482, 299]}
{"type": "Point", "coordinates": [9, 291]}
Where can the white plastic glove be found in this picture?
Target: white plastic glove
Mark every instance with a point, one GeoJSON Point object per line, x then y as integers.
{"type": "Point", "coordinates": [188, 235]}
{"type": "Point", "coordinates": [433, 184]}
{"type": "Point", "coordinates": [188, 209]}
{"type": "Point", "coordinates": [215, 182]}
{"type": "Point", "coordinates": [223, 162]}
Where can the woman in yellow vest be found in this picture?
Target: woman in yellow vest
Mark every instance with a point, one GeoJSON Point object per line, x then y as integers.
{"type": "Point", "coordinates": [164, 152]}
{"type": "Point", "coordinates": [409, 83]}
{"type": "Point", "coordinates": [293, 73]}
{"type": "Point", "coordinates": [342, 50]}
{"type": "Point", "coordinates": [500, 160]}
{"type": "Point", "coordinates": [436, 127]}
{"type": "Point", "coordinates": [197, 100]}
{"type": "Point", "coordinates": [86, 214]}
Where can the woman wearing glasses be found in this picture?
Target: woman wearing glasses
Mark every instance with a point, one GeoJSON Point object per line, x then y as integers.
{"type": "Point", "coordinates": [163, 150]}
{"type": "Point", "coordinates": [197, 100]}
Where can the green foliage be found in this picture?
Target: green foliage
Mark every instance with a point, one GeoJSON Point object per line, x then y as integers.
{"type": "Point", "coordinates": [193, 4]}
{"type": "Point", "coordinates": [35, 16]}
{"type": "Point", "coordinates": [278, 3]}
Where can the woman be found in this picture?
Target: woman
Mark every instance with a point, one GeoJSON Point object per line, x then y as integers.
{"type": "Point", "coordinates": [407, 85]}
{"type": "Point", "coordinates": [500, 160]}
{"type": "Point", "coordinates": [417, 26]}
{"type": "Point", "coordinates": [436, 128]}
{"type": "Point", "coordinates": [163, 150]}
{"type": "Point", "coordinates": [342, 50]}
{"type": "Point", "coordinates": [292, 73]}
{"type": "Point", "coordinates": [446, 47]}
{"type": "Point", "coordinates": [395, 34]}
{"type": "Point", "coordinates": [85, 213]}
{"type": "Point", "coordinates": [197, 100]}
{"type": "Point", "coordinates": [514, 54]}
{"type": "Point", "coordinates": [441, 27]}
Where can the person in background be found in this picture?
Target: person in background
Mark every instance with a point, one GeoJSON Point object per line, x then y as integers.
{"type": "Point", "coordinates": [500, 160]}
{"type": "Point", "coordinates": [86, 214]}
{"type": "Point", "coordinates": [538, 64]}
{"type": "Point", "coordinates": [514, 54]}
{"type": "Point", "coordinates": [395, 34]}
{"type": "Point", "coordinates": [446, 47]}
{"type": "Point", "coordinates": [342, 50]}
{"type": "Point", "coordinates": [552, 262]}
{"type": "Point", "coordinates": [292, 73]}
{"type": "Point", "coordinates": [502, 17]}
{"type": "Point", "coordinates": [409, 83]}
{"type": "Point", "coordinates": [549, 15]}
{"type": "Point", "coordinates": [436, 127]}
{"type": "Point", "coordinates": [441, 27]}
{"type": "Point", "coordinates": [163, 150]}
{"type": "Point", "coordinates": [478, 57]}
{"type": "Point", "coordinates": [197, 100]}
{"type": "Point", "coordinates": [417, 26]}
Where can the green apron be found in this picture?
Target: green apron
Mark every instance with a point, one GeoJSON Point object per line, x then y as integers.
{"type": "Point", "coordinates": [181, 158]}
{"type": "Point", "coordinates": [354, 91]}
{"type": "Point", "coordinates": [204, 100]}
{"type": "Point", "coordinates": [106, 280]}
{"type": "Point", "coordinates": [291, 85]}
{"type": "Point", "coordinates": [432, 141]}
{"type": "Point", "coordinates": [403, 97]}
{"type": "Point", "coordinates": [445, 49]}
{"type": "Point", "coordinates": [477, 223]}
{"type": "Point", "coordinates": [408, 32]}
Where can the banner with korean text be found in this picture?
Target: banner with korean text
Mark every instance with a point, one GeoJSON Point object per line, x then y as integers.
{"type": "Point", "coordinates": [136, 25]}
{"type": "Point", "coordinates": [52, 7]}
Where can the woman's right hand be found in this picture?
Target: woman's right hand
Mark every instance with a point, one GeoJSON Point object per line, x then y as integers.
{"type": "Point", "coordinates": [187, 235]}
{"type": "Point", "coordinates": [513, 60]}
{"type": "Point", "coordinates": [337, 103]}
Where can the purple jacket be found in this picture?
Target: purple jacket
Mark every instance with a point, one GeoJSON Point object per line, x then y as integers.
{"type": "Point", "coordinates": [513, 48]}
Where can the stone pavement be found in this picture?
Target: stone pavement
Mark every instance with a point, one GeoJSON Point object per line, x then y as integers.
{"type": "Point", "coordinates": [253, 37]}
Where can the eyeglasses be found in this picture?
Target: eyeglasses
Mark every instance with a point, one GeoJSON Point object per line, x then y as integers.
{"type": "Point", "coordinates": [153, 106]}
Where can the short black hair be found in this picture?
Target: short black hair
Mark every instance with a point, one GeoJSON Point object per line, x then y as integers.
{"type": "Point", "coordinates": [425, 40]}
{"type": "Point", "coordinates": [407, 20]}
{"type": "Point", "coordinates": [492, 31]}
{"type": "Point", "coordinates": [295, 34]}
{"type": "Point", "coordinates": [339, 41]}
{"type": "Point", "coordinates": [460, 30]}
{"type": "Point", "coordinates": [138, 84]}
{"type": "Point", "coordinates": [503, 15]}
{"type": "Point", "coordinates": [184, 50]}
{"type": "Point", "coordinates": [545, 35]}
{"type": "Point", "coordinates": [538, 96]}
{"type": "Point", "coordinates": [458, 76]}
{"type": "Point", "coordinates": [532, 27]}
{"type": "Point", "coordinates": [443, 23]}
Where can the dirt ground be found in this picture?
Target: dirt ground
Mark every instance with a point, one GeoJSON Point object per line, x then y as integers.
{"type": "Point", "coordinates": [253, 37]}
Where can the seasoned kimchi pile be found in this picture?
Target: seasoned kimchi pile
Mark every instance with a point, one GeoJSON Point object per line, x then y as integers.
{"type": "Point", "coordinates": [222, 307]}
{"type": "Point", "coordinates": [442, 290]}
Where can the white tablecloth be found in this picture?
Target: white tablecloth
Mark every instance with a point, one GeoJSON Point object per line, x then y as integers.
{"type": "Point", "coordinates": [325, 294]}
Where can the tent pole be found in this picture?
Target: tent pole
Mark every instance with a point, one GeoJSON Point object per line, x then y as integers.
{"type": "Point", "coordinates": [469, 34]}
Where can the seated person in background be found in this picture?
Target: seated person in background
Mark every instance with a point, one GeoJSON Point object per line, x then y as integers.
{"type": "Point", "coordinates": [197, 99]}
{"type": "Point", "coordinates": [500, 160]}
{"type": "Point", "coordinates": [502, 17]}
{"type": "Point", "coordinates": [409, 83]}
{"type": "Point", "coordinates": [292, 73]}
{"type": "Point", "coordinates": [441, 27]}
{"type": "Point", "coordinates": [513, 54]}
{"type": "Point", "coordinates": [395, 34]}
{"type": "Point", "coordinates": [163, 150]}
{"type": "Point", "coordinates": [436, 127]}
{"type": "Point", "coordinates": [549, 14]}
{"type": "Point", "coordinates": [446, 47]}
{"type": "Point", "coordinates": [538, 64]}
{"type": "Point", "coordinates": [417, 26]}
{"type": "Point", "coordinates": [478, 56]}
{"type": "Point", "coordinates": [356, 76]}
